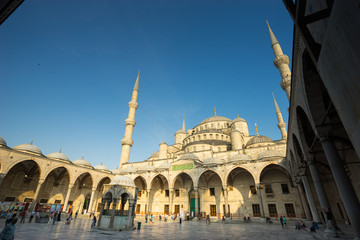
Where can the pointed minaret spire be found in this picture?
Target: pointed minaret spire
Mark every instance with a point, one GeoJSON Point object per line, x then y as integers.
{"type": "Point", "coordinates": [215, 111]}
{"type": "Point", "coordinates": [60, 150]}
{"type": "Point", "coordinates": [281, 62]}
{"type": "Point", "coordinates": [130, 122]}
{"type": "Point", "coordinates": [183, 126]}
{"type": "Point", "coordinates": [281, 124]}
{"type": "Point", "coordinates": [256, 129]}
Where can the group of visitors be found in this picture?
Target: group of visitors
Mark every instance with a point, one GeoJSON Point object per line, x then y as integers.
{"type": "Point", "coordinates": [54, 216]}
{"type": "Point", "coordinates": [283, 222]}
{"type": "Point", "coordinates": [247, 220]}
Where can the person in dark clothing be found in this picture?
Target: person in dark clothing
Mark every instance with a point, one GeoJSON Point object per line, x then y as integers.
{"type": "Point", "coordinates": [23, 214]}
{"type": "Point", "coordinates": [281, 221]}
{"type": "Point", "coordinates": [93, 222]}
{"type": "Point", "coordinates": [58, 216]}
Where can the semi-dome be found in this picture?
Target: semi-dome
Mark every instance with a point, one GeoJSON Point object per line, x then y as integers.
{"type": "Point", "coordinates": [189, 156]}
{"type": "Point", "coordinates": [130, 169]}
{"type": "Point", "coordinates": [122, 181]}
{"type": "Point", "coordinates": [116, 171]}
{"type": "Point", "coordinates": [215, 119]}
{"type": "Point", "coordinates": [240, 157]}
{"type": "Point", "coordinates": [2, 142]}
{"type": "Point", "coordinates": [58, 155]}
{"type": "Point", "coordinates": [28, 148]}
{"type": "Point", "coordinates": [164, 166]}
{"type": "Point", "coordinates": [212, 161]}
{"type": "Point", "coordinates": [146, 168]}
{"type": "Point", "coordinates": [155, 155]}
{"type": "Point", "coordinates": [258, 139]}
{"type": "Point", "coordinates": [272, 154]}
{"type": "Point", "coordinates": [101, 167]}
{"type": "Point", "coordinates": [82, 162]}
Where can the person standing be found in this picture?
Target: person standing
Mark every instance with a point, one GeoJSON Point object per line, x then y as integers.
{"type": "Point", "coordinates": [8, 232]}
{"type": "Point", "coordinates": [180, 219]}
{"type": "Point", "coordinates": [23, 214]}
{"type": "Point", "coordinates": [282, 221]}
{"type": "Point", "coordinates": [76, 214]}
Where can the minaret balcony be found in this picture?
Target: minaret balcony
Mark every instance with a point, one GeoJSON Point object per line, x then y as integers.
{"type": "Point", "coordinates": [283, 59]}
{"type": "Point", "coordinates": [130, 122]}
{"type": "Point", "coordinates": [133, 104]}
{"type": "Point", "coordinates": [127, 141]}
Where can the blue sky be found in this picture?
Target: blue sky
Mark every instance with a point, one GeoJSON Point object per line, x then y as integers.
{"type": "Point", "coordinates": [67, 70]}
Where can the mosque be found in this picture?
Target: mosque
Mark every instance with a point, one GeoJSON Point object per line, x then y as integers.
{"type": "Point", "coordinates": [215, 168]}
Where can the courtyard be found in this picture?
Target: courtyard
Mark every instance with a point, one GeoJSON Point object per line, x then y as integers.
{"type": "Point", "coordinates": [80, 229]}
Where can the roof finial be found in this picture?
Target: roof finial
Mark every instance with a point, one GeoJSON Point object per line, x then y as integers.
{"type": "Point", "coordinates": [136, 87]}
{"type": "Point", "coordinates": [183, 126]}
{"type": "Point", "coordinates": [31, 143]}
{"type": "Point", "coordinates": [238, 116]}
{"type": "Point", "coordinates": [60, 149]}
{"type": "Point", "coordinates": [256, 129]}
{"type": "Point", "coordinates": [215, 111]}
{"type": "Point", "coordinates": [100, 163]}
{"type": "Point", "coordinates": [82, 156]}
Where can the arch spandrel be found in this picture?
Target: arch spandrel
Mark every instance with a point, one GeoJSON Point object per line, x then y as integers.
{"type": "Point", "coordinates": [172, 185]}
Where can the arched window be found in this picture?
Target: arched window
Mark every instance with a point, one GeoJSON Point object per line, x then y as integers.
{"type": "Point", "coordinates": [218, 125]}
{"type": "Point", "coordinates": [217, 136]}
{"type": "Point", "coordinates": [194, 148]}
{"type": "Point", "coordinates": [201, 128]}
{"type": "Point", "coordinates": [199, 138]}
{"type": "Point", "coordinates": [204, 136]}
{"type": "Point", "coordinates": [219, 149]}
{"type": "Point", "coordinates": [206, 126]}
{"type": "Point", "coordinates": [211, 136]}
{"type": "Point", "coordinates": [222, 137]}
{"type": "Point", "coordinates": [212, 125]}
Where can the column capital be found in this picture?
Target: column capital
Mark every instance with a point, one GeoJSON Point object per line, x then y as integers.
{"type": "Point", "coordinates": [324, 133]}
{"type": "Point", "coordinates": [71, 185]}
{"type": "Point", "coordinates": [93, 189]}
{"type": "Point", "coordinates": [41, 181]}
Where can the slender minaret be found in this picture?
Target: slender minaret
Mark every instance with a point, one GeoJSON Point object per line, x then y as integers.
{"type": "Point", "coordinates": [281, 124]}
{"type": "Point", "coordinates": [130, 122]}
{"type": "Point", "coordinates": [183, 126]}
{"type": "Point", "coordinates": [281, 62]}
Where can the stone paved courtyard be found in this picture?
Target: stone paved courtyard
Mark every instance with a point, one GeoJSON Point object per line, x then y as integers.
{"type": "Point", "coordinates": [80, 229]}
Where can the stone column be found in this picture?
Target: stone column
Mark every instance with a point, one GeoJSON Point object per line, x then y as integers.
{"type": "Point", "coordinates": [33, 204]}
{"type": "Point", "coordinates": [148, 201]}
{"type": "Point", "coordinates": [260, 200]}
{"type": "Point", "coordinates": [303, 201]}
{"type": "Point", "coordinates": [171, 192]}
{"type": "Point", "coordinates": [310, 199]}
{"type": "Point", "coordinates": [131, 214]}
{"type": "Point", "coordinates": [196, 190]}
{"type": "Point", "coordinates": [226, 198]}
{"type": "Point", "coordinates": [101, 211]}
{"type": "Point", "coordinates": [343, 183]}
{"type": "Point", "coordinates": [65, 208]}
{"type": "Point", "coordinates": [92, 199]}
{"type": "Point", "coordinates": [2, 177]}
{"type": "Point", "coordinates": [324, 202]}
{"type": "Point", "coordinates": [112, 218]}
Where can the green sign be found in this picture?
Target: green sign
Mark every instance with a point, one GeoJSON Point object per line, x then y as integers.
{"type": "Point", "coordinates": [183, 167]}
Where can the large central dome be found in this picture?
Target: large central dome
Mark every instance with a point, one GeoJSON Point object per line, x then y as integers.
{"type": "Point", "coordinates": [216, 119]}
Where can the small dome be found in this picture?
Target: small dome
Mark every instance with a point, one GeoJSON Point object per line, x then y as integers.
{"type": "Point", "coordinates": [146, 168]}
{"type": "Point", "coordinates": [130, 169]}
{"type": "Point", "coordinates": [122, 181]}
{"type": "Point", "coordinates": [58, 155]}
{"type": "Point", "coordinates": [212, 161]}
{"type": "Point", "coordinates": [2, 141]}
{"type": "Point", "coordinates": [155, 155]}
{"type": "Point", "coordinates": [101, 167]}
{"type": "Point", "coordinates": [240, 157]}
{"type": "Point", "coordinates": [215, 119]}
{"type": "Point", "coordinates": [164, 166]}
{"type": "Point", "coordinates": [116, 171]}
{"type": "Point", "coordinates": [239, 119]}
{"type": "Point", "coordinates": [189, 156]}
{"type": "Point", "coordinates": [82, 162]}
{"type": "Point", "coordinates": [258, 139]}
{"type": "Point", "coordinates": [28, 148]}
{"type": "Point", "coordinates": [272, 154]}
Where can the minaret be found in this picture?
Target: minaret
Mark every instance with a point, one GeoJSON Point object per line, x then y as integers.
{"type": "Point", "coordinates": [130, 122]}
{"type": "Point", "coordinates": [281, 125]}
{"type": "Point", "coordinates": [183, 126]}
{"type": "Point", "coordinates": [281, 62]}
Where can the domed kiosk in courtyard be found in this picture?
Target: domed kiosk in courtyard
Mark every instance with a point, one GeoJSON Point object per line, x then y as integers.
{"type": "Point", "coordinates": [118, 204]}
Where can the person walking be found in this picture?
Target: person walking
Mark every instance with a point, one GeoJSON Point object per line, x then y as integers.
{"type": "Point", "coordinates": [93, 222]}
{"type": "Point", "coordinates": [31, 217]}
{"type": "Point", "coordinates": [146, 218]}
{"type": "Point", "coordinates": [282, 221]}
{"type": "Point", "coordinates": [8, 232]}
{"type": "Point", "coordinates": [76, 214]}
{"type": "Point", "coordinates": [54, 217]}
{"type": "Point", "coordinates": [23, 214]}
